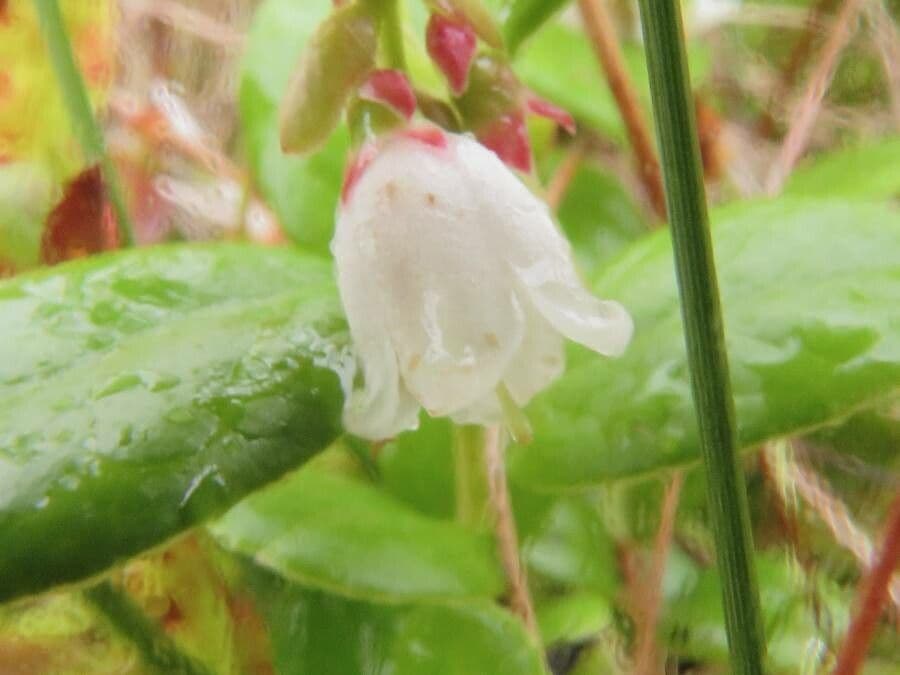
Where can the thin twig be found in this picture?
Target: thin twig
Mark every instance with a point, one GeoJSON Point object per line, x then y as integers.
{"type": "Point", "coordinates": [186, 19]}
{"type": "Point", "coordinates": [802, 50]}
{"type": "Point", "coordinates": [787, 520]}
{"type": "Point", "coordinates": [505, 529]}
{"type": "Point", "coordinates": [871, 598]}
{"type": "Point", "coordinates": [887, 41]}
{"type": "Point", "coordinates": [645, 651]}
{"type": "Point", "coordinates": [562, 177]}
{"type": "Point", "coordinates": [606, 45]}
{"type": "Point", "coordinates": [805, 115]}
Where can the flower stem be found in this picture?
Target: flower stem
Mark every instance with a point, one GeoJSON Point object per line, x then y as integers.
{"type": "Point", "coordinates": [392, 34]}
{"type": "Point", "coordinates": [157, 649]}
{"type": "Point", "coordinates": [482, 500]}
{"type": "Point", "coordinates": [704, 334]}
{"type": "Point", "coordinates": [505, 529]}
{"type": "Point", "coordinates": [472, 502]}
{"type": "Point", "coordinates": [75, 96]}
{"type": "Point", "coordinates": [514, 417]}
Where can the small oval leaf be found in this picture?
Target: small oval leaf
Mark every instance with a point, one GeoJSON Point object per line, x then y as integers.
{"type": "Point", "coordinates": [336, 533]}
{"type": "Point", "coordinates": [336, 61]}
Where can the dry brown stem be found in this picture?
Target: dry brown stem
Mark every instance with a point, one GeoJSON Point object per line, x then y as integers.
{"type": "Point", "coordinates": [186, 19]}
{"type": "Point", "coordinates": [562, 177]}
{"type": "Point", "coordinates": [598, 24]}
{"type": "Point", "coordinates": [792, 475]}
{"type": "Point", "coordinates": [505, 529]}
{"type": "Point", "coordinates": [871, 598]}
{"type": "Point", "coordinates": [805, 114]}
{"type": "Point", "coordinates": [646, 656]}
{"type": "Point", "coordinates": [803, 49]}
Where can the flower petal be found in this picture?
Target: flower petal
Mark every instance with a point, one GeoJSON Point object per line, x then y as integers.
{"type": "Point", "coordinates": [383, 407]}
{"type": "Point", "coordinates": [539, 361]}
{"type": "Point", "coordinates": [601, 325]}
{"type": "Point", "coordinates": [453, 317]}
{"type": "Point", "coordinates": [541, 259]}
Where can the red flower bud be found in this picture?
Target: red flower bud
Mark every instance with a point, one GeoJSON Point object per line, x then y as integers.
{"type": "Point", "coordinates": [451, 44]}
{"type": "Point", "coordinates": [507, 137]}
{"type": "Point", "coordinates": [544, 108]}
{"type": "Point", "coordinates": [390, 88]}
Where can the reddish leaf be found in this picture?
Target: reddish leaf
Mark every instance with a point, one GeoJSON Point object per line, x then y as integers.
{"type": "Point", "coordinates": [451, 44]}
{"type": "Point", "coordinates": [82, 223]}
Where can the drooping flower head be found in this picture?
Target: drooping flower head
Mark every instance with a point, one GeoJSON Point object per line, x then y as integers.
{"type": "Point", "coordinates": [455, 281]}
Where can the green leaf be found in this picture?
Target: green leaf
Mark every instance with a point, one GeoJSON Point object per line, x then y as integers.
{"type": "Point", "coordinates": [572, 617]}
{"type": "Point", "coordinates": [462, 640]}
{"type": "Point", "coordinates": [348, 537]}
{"type": "Point", "coordinates": [599, 218]}
{"type": "Point", "coordinates": [558, 63]}
{"type": "Point", "coordinates": [572, 548]}
{"type": "Point", "coordinates": [525, 17]}
{"type": "Point", "coordinates": [143, 392]}
{"type": "Point", "coordinates": [47, 635]}
{"type": "Point", "coordinates": [868, 171]}
{"type": "Point", "coordinates": [809, 291]}
{"type": "Point", "coordinates": [803, 614]}
{"type": "Point", "coordinates": [314, 632]}
{"type": "Point", "coordinates": [303, 191]}
{"type": "Point", "coordinates": [26, 197]}
{"type": "Point", "coordinates": [417, 468]}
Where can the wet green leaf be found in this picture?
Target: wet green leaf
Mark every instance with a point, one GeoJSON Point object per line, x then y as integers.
{"type": "Point", "coordinates": [303, 190]}
{"type": "Point", "coordinates": [809, 292]}
{"type": "Point", "coordinates": [348, 537]}
{"type": "Point", "coordinates": [143, 392]}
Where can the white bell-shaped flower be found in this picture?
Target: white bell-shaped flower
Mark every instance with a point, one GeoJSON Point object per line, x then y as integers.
{"type": "Point", "coordinates": [455, 281]}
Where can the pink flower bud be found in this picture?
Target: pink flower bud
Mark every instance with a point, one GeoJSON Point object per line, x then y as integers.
{"type": "Point", "coordinates": [355, 169]}
{"type": "Point", "coordinates": [428, 135]}
{"type": "Point", "coordinates": [543, 108]}
{"type": "Point", "coordinates": [451, 44]}
{"type": "Point", "coordinates": [392, 89]}
{"type": "Point", "coordinates": [507, 137]}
